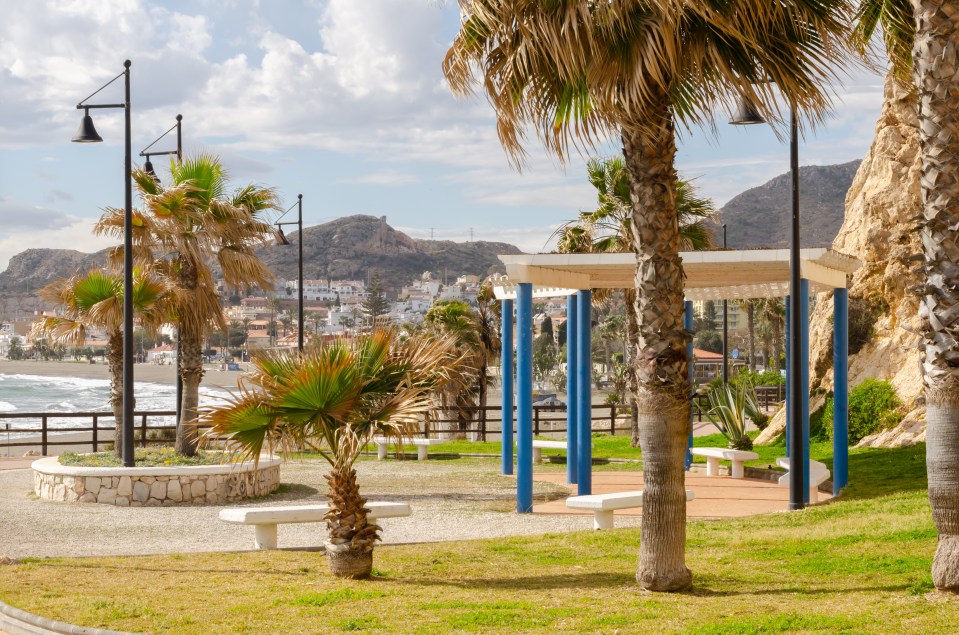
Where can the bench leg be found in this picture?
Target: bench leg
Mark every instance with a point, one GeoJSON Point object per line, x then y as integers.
{"type": "Point", "coordinates": [712, 466]}
{"type": "Point", "coordinates": [421, 452]}
{"type": "Point", "coordinates": [264, 536]}
{"type": "Point", "coordinates": [813, 494]}
{"type": "Point", "coordinates": [537, 455]}
{"type": "Point", "coordinates": [380, 451]}
{"type": "Point", "coordinates": [738, 469]}
{"type": "Point", "coordinates": [603, 519]}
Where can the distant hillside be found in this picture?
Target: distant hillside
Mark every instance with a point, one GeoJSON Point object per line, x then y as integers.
{"type": "Point", "coordinates": [32, 269]}
{"type": "Point", "coordinates": [760, 217]}
{"type": "Point", "coordinates": [350, 247]}
{"type": "Point", "coordinates": [346, 248]}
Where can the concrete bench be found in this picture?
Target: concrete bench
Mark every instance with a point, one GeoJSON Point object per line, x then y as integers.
{"type": "Point", "coordinates": [421, 444]}
{"type": "Point", "coordinates": [542, 444]}
{"type": "Point", "coordinates": [603, 505]}
{"type": "Point", "coordinates": [265, 519]}
{"type": "Point", "coordinates": [737, 457]}
{"type": "Point", "coordinates": [818, 474]}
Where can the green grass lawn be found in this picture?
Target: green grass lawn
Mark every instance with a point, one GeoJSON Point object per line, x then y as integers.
{"type": "Point", "coordinates": [884, 473]}
{"type": "Point", "coordinates": [857, 565]}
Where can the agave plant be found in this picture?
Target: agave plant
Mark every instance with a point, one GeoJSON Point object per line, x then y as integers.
{"type": "Point", "coordinates": [334, 398]}
{"type": "Point", "coordinates": [730, 409]}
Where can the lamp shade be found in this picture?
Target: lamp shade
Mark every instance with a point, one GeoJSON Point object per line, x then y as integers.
{"type": "Point", "coordinates": [746, 114]}
{"type": "Point", "coordinates": [281, 238]}
{"type": "Point", "coordinates": [148, 168]}
{"type": "Point", "coordinates": [87, 133]}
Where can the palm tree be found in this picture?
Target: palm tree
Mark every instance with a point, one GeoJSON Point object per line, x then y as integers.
{"type": "Point", "coordinates": [95, 301]}
{"type": "Point", "coordinates": [936, 37]}
{"type": "Point", "coordinates": [182, 228]}
{"type": "Point", "coordinates": [334, 398]}
{"type": "Point", "coordinates": [608, 229]}
{"type": "Point", "coordinates": [578, 72]}
{"type": "Point", "coordinates": [476, 335]}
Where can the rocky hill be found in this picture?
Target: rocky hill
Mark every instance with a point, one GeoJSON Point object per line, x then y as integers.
{"type": "Point", "coordinates": [346, 248]}
{"type": "Point", "coordinates": [760, 217]}
{"type": "Point", "coordinates": [32, 269]}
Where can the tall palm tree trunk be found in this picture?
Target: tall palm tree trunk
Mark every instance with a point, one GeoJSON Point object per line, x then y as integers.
{"type": "Point", "coordinates": [115, 365]}
{"type": "Point", "coordinates": [936, 55]}
{"type": "Point", "coordinates": [661, 361]}
{"type": "Point", "coordinates": [191, 371]}
{"type": "Point", "coordinates": [751, 327]}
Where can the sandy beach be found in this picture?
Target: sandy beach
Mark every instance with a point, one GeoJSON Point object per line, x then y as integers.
{"type": "Point", "coordinates": [154, 373]}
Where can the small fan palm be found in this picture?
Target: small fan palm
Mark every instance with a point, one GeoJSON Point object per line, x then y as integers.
{"type": "Point", "coordinates": [95, 301]}
{"type": "Point", "coordinates": [334, 398]}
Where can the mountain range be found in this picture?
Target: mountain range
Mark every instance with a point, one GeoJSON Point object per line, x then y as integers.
{"type": "Point", "coordinates": [353, 246]}
{"type": "Point", "coordinates": [346, 248]}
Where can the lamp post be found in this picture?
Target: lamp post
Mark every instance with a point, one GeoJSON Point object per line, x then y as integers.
{"type": "Point", "coordinates": [725, 327]}
{"type": "Point", "coordinates": [88, 134]}
{"type": "Point", "coordinates": [282, 240]}
{"type": "Point", "coordinates": [148, 168]}
{"type": "Point", "coordinates": [746, 115]}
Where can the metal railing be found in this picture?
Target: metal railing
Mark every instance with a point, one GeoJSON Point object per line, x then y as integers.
{"type": "Point", "coordinates": [480, 422]}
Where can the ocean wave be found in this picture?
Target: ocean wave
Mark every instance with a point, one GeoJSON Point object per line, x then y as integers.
{"type": "Point", "coordinates": [6, 406]}
{"type": "Point", "coordinates": [62, 381]}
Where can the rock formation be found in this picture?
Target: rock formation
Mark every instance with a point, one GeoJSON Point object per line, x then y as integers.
{"type": "Point", "coordinates": [880, 228]}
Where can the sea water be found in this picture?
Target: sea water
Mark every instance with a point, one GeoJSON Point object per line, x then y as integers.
{"type": "Point", "coordinates": [38, 394]}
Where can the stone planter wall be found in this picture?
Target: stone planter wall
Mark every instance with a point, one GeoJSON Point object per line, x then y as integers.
{"type": "Point", "coordinates": [154, 487]}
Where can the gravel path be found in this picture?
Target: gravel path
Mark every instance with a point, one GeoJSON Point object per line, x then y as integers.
{"type": "Point", "coordinates": [451, 500]}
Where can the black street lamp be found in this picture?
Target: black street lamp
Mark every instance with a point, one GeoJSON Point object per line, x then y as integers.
{"type": "Point", "coordinates": [282, 240]}
{"type": "Point", "coordinates": [88, 134]}
{"type": "Point", "coordinates": [148, 168]}
{"type": "Point", "coordinates": [725, 327]}
{"type": "Point", "coordinates": [747, 114]}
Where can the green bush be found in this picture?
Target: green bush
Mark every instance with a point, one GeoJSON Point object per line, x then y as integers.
{"type": "Point", "coordinates": [873, 406]}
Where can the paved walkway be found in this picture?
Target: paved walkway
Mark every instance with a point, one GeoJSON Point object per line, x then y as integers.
{"type": "Point", "coordinates": [716, 496]}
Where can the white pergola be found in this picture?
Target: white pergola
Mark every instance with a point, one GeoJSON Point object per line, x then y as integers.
{"type": "Point", "coordinates": [709, 275]}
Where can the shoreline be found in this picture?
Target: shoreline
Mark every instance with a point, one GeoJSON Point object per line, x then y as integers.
{"type": "Point", "coordinates": [152, 373]}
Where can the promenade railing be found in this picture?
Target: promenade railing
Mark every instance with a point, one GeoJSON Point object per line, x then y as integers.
{"type": "Point", "coordinates": [44, 430]}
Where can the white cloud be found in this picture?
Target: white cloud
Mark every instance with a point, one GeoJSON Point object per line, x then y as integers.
{"type": "Point", "coordinates": [75, 234]}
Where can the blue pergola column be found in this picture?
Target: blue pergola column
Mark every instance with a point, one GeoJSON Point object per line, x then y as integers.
{"type": "Point", "coordinates": [804, 386]}
{"type": "Point", "coordinates": [584, 394]}
{"type": "Point", "coordinates": [840, 371]}
{"type": "Point", "coordinates": [524, 397]}
{"type": "Point", "coordinates": [572, 411]}
{"type": "Point", "coordinates": [688, 325]}
{"type": "Point", "coordinates": [506, 373]}
{"type": "Point", "coordinates": [787, 335]}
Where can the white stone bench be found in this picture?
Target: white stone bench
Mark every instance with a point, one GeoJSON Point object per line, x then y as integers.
{"type": "Point", "coordinates": [382, 443]}
{"type": "Point", "coordinates": [818, 474]}
{"type": "Point", "coordinates": [542, 444]}
{"type": "Point", "coordinates": [603, 505]}
{"type": "Point", "coordinates": [265, 519]}
{"type": "Point", "coordinates": [737, 457]}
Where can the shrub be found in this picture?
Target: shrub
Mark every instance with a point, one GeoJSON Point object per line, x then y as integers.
{"type": "Point", "coordinates": [873, 406]}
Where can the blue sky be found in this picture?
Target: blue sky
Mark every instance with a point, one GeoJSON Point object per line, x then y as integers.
{"type": "Point", "coordinates": [340, 100]}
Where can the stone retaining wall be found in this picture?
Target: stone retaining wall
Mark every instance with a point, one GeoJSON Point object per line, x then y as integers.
{"type": "Point", "coordinates": [141, 487]}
